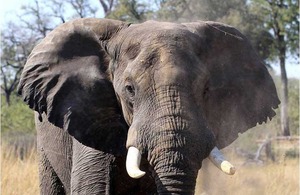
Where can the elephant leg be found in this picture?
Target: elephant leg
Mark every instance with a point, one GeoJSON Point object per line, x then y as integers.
{"type": "Point", "coordinates": [55, 151]}
{"type": "Point", "coordinates": [97, 172]}
{"type": "Point", "coordinates": [49, 181]}
{"type": "Point", "coordinates": [91, 170]}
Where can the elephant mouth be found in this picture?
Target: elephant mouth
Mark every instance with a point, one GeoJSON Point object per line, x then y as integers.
{"type": "Point", "coordinates": [134, 158]}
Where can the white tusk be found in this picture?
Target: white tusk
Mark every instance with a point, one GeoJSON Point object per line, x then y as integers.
{"type": "Point", "coordinates": [133, 161]}
{"type": "Point", "coordinates": [219, 161]}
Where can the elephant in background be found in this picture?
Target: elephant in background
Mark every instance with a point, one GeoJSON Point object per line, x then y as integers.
{"type": "Point", "coordinates": [170, 93]}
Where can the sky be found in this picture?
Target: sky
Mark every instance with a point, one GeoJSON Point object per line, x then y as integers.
{"type": "Point", "coordinates": [10, 8]}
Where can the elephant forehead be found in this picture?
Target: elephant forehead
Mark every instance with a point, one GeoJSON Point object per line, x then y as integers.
{"type": "Point", "coordinates": [156, 34]}
{"type": "Point", "coordinates": [157, 45]}
{"type": "Point", "coordinates": [165, 50]}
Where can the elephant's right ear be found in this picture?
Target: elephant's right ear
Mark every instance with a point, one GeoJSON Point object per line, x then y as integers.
{"type": "Point", "coordinates": [65, 78]}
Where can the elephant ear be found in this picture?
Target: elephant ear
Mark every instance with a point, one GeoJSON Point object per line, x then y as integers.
{"type": "Point", "coordinates": [239, 92]}
{"type": "Point", "coordinates": [65, 78]}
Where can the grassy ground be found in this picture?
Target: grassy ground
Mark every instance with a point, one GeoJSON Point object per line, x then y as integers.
{"type": "Point", "coordinates": [280, 178]}
{"type": "Point", "coordinates": [18, 177]}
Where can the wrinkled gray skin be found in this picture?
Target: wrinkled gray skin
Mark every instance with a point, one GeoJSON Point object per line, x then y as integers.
{"type": "Point", "coordinates": [174, 91]}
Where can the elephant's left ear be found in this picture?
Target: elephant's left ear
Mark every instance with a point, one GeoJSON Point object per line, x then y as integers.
{"type": "Point", "coordinates": [239, 92]}
{"type": "Point", "coordinates": [65, 78]}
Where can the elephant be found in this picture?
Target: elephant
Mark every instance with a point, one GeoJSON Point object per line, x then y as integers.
{"type": "Point", "coordinates": [125, 108]}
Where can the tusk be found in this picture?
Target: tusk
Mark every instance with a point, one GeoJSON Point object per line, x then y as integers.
{"type": "Point", "coordinates": [219, 161]}
{"type": "Point", "coordinates": [133, 161]}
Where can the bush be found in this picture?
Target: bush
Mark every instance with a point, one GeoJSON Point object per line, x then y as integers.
{"type": "Point", "coordinates": [17, 117]}
{"type": "Point", "coordinates": [292, 153]}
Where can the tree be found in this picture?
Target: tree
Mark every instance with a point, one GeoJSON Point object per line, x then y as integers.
{"type": "Point", "coordinates": [16, 46]}
{"type": "Point", "coordinates": [35, 19]}
{"type": "Point", "coordinates": [282, 19]}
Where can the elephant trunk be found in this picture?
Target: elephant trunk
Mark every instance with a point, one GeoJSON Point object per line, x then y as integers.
{"type": "Point", "coordinates": [173, 173]}
{"type": "Point", "coordinates": [176, 154]}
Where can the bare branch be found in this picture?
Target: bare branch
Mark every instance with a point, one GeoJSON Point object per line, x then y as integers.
{"type": "Point", "coordinates": [107, 7]}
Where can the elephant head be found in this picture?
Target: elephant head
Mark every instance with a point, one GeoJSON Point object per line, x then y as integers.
{"type": "Point", "coordinates": [169, 92]}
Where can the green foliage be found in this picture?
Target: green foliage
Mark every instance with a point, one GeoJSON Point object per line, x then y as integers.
{"type": "Point", "coordinates": [220, 10]}
{"type": "Point", "coordinates": [172, 10]}
{"type": "Point", "coordinates": [192, 10]}
{"type": "Point", "coordinates": [17, 117]}
{"type": "Point", "coordinates": [281, 17]}
{"type": "Point", "coordinates": [292, 153]}
{"type": "Point", "coordinates": [129, 11]}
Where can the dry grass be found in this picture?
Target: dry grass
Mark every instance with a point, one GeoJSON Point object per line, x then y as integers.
{"type": "Point", "coordinates": [281, 178]}
{"type": "Point", "coordinates": [18, 177]}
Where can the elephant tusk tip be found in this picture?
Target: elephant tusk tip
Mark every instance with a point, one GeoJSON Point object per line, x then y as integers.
{"type": "Point", "coordinates": [137, 174]}
{"type": "Point", "coordinates": [228, 168]}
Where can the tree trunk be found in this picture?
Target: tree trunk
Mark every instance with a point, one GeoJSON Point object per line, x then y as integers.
{"type": "Point", "coordinates": [7, 98]}
{"type": "Point", "coordinates": [284, 88]}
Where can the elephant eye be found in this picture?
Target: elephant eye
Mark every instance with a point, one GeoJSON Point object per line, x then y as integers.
{"type": "Point", "coordinates": [130, 90]}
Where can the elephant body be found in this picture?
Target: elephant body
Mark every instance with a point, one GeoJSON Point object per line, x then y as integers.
{"type": "Point", "coordinates": [169, 93]}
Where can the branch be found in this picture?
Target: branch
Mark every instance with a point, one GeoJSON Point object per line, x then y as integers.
{"type": "Point", "coordinates": [107, 7]}
{"type": "Point", "coordinates": [11, 65]}
{"type": "Point", "coordinates": [57, 8]}
{"type": "Point", "coordinates": [4, 78]}
{"type": "Point", "coordinates": [15, 80]}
